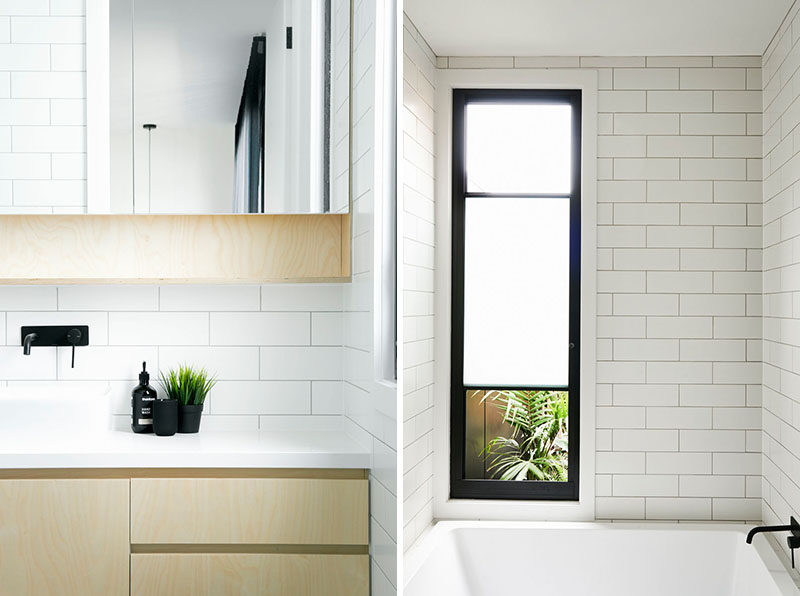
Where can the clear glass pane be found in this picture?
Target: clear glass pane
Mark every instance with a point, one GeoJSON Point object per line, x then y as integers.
{"type": "Point", "coordinates": [516, 292]}
{"type": "Point", "coordinates": [518, 148]}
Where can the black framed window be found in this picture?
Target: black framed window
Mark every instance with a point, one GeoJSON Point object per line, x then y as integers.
{"type": "Point", "coordinates": [515, 333]}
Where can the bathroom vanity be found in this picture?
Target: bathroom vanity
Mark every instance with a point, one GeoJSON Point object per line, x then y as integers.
{"type": "Point", "coordinates": [184, 531]}
{"type": "Point", "coordinates": [100, 512]}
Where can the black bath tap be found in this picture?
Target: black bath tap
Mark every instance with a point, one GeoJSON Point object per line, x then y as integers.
{"type": "Point", "coordinates": [793, 540]}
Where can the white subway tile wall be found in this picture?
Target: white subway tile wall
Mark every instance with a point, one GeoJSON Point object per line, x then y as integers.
{"type": "Point", "coordinates": [42, 106]}
{"type": "Point", "coordinates": [419, 76]}
{"type": "Point", "coordinates": [781, 322]}
{"type": "Point", "coordinates": [679, 282]}
{"type": "Point", "coordinates": [271, 362]}
{"type": "Point", "coordinates": [370, 406]}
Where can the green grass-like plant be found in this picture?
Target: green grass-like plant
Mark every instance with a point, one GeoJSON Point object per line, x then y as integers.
{"type": "Point", "coordinates": [187, 384]}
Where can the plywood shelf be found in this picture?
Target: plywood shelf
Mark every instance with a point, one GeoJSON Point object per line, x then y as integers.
{"type": "Point", "coordinates": [64, 249]}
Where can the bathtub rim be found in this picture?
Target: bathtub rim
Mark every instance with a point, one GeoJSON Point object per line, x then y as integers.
{"type": "Point", "coordinates": [766, 546]}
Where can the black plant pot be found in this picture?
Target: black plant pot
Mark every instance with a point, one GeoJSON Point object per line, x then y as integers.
{"type": "Point", "coordinates": [165, 417]}
{"type": "Point", "coordinates": [189, 418]}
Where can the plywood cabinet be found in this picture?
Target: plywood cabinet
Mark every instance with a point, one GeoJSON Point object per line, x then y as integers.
{"type": "Point", "coordinates": [64, 537]}
{"type": "Point", "coordinates": [197, 532]}
{"type": "Point", "coordinates": [249, 574]}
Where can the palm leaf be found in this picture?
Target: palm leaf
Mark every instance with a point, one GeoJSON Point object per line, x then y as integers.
{"type": "Point", "coordinates": [537, 448]}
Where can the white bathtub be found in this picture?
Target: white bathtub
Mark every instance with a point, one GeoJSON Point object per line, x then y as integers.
{"type": "Point", "coordinates": [493, 558]}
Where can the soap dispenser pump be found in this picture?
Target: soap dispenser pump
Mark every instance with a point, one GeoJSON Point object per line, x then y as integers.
{"type": "Point", "coordinates": [142, 398]}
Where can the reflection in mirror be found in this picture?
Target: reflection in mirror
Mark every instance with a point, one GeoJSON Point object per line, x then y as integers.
{"type": "Point", "coordinates": [230, 106]}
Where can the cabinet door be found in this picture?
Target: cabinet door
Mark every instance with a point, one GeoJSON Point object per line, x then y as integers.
{"type": "Point", "coordinates": [64, 537]}
{"type": "Point", "coordinates": [237, 574]}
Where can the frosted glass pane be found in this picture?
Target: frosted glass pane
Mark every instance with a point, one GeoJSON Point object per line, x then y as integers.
{"type": "Point", "coordinates": [518, 148]}
{"type": "Point", "coordinates": [516, 292]}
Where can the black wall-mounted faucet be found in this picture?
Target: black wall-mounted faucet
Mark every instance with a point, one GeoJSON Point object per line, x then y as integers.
{"type": "Point", "coordinates": [793, 540]}
{"type": "Point", "coordinates": [54, 335]}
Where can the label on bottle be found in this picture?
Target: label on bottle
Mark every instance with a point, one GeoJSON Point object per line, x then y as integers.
{"type": "Point", "coordinates": [142, 414]}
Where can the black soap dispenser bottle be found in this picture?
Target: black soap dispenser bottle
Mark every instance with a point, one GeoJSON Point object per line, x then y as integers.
{"type": "Point", "coordinates": [142, 399]}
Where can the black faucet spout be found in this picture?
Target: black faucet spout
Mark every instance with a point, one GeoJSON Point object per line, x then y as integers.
{"type": "Point", "coordinates": [793, 540]}
{"type": "Point", "coordinates": [26, 343]}
{"type": "Point", "coordinates": [760, 529]}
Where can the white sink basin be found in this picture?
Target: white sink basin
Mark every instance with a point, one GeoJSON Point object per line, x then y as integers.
{"type": "Point", "coordinates": [55, 409]}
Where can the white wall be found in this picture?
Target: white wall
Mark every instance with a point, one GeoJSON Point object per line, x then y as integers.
{"type": "Point", "coordinates": [419, 79]}
{"type": "Point", "coordinates": [42, 107]}
{"type": "Point", "coordinates": [370, 406]}
{"type": "Point", "coordinates": [679, 284]}
{"type": "Point", "coordinates": [781, 446]}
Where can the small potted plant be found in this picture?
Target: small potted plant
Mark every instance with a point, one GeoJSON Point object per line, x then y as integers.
{"type": "Point", "coordinates": [190, 387]}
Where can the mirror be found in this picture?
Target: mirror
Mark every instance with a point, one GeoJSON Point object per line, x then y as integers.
{"type": "Point", "coordinates": [229, 106]}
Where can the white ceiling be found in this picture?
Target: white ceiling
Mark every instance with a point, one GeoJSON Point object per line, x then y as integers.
{"type": "Point", "coordinates": [597, 27]}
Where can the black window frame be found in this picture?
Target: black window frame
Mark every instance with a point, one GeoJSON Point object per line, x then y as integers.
{"type": "Point", "coordinates": [468, 488]}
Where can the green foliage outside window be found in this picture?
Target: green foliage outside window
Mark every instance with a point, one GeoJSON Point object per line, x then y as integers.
{"type": "Point", "coordinates": [536, 445]}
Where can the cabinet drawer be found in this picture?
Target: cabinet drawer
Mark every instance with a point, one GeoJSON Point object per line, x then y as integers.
{"type": "Point", "coordinates": [249, 511]}
{"type": "Point", "coordinates": [249, 574]}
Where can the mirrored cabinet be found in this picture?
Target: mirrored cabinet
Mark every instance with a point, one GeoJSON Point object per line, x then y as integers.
{"type": "Point", "coordinates": [249, 113]}
{"type": "Point", "coordinates": [218, 149]}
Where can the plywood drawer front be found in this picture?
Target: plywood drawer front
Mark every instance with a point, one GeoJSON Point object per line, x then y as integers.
{"type": "Point", "coordinates": [249, 511]}
{"type": "Point", "coordinates": [249, 575]}
{"type": "Point", "coordinates": [66, 537]}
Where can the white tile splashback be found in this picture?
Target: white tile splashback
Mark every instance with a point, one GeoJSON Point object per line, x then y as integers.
{"type": "Point", "coordinates": [211, 298]}
{"type": "Point", "coordinates": [274, 363]}
{"type": "Point", "coordinates": [142, 328]}
{"type": "Point", "coordinates": [107, 298]}
{"type": "Point", "coordinates": [270, 328]}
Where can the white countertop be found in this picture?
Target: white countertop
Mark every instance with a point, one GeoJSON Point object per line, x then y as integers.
{"type": "Point", "coordinates": [206, 449]}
